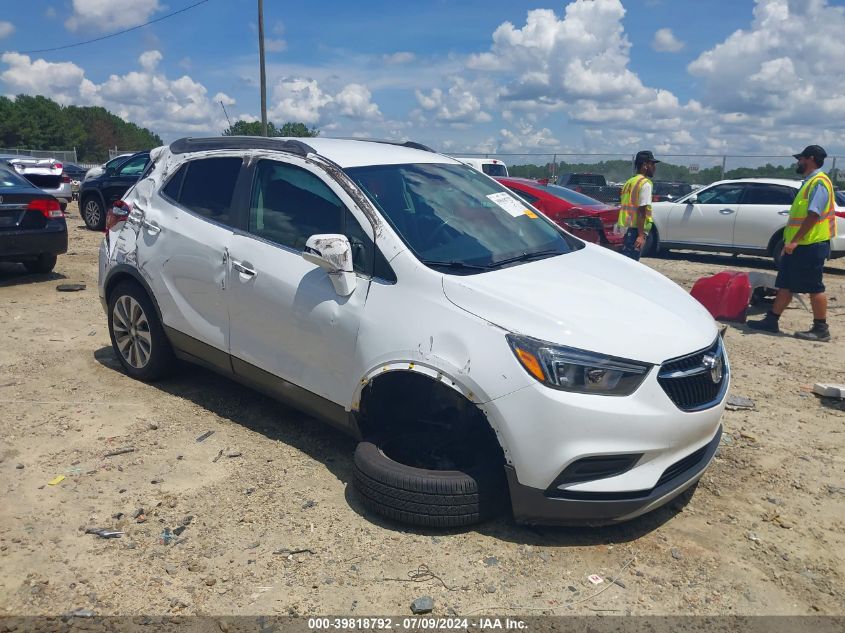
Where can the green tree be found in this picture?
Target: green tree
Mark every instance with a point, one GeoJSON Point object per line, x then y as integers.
{"type": "Point", "coordinates": [297, 129]}
{"type": "Point", "coordinates": [253, 128]}
{"type": "Point", "coordinates": [36, 122]}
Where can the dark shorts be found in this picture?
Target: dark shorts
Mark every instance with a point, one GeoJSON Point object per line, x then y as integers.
{"type": "Point", "coordinates": [802, 271]}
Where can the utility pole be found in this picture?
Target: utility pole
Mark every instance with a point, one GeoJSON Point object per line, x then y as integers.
{"type": "Point", "coordinates": [263, 76]}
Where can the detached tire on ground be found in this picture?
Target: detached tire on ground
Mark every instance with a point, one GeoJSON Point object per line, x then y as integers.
{"type": "Point", "coordinates": [426, 497]}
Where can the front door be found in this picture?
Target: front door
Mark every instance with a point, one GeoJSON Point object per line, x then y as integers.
{"type": "Point", "coordinates": [709, 220]}
{"type": "Point", "coordinates": [286, 318]}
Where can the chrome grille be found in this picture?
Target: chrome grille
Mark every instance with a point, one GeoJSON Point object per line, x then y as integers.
{"type": "Point", "coordinates": [689, 380]}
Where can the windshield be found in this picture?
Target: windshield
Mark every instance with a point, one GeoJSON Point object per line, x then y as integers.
{"type": "Point", "coordinates": [495, 170]}
{"type": "Point", "coordinates": [570, 196]}
{"type": "Point", "coordinates": [453, 217]}
{"type": "Point", "coordinates": [9, 180]}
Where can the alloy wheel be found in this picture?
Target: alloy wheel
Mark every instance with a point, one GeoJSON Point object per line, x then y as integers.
{"type": "Point", "coordinates": [131, 331]}
{"type": "Point", "coordinates": [92, 213]}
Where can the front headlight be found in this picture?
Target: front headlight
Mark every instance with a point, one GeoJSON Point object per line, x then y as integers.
{"type": "Point", "coordinates": [570, 369]}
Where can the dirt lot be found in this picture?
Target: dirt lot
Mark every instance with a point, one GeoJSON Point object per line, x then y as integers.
{"type": "Point", "coordinates": [763, 534]}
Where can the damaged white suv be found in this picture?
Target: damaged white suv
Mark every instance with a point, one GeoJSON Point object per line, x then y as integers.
{"type": "Point", "coordinates": [474, 347]}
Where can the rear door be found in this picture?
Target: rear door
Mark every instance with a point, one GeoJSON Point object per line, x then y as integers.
{"type": "Point", "coordinates": [763, 212]}
{"type": "Point", "coordinates": [116, 184]}
{"type": "Point", "coordinates": [709, 220]}
{"type": "Point", "coordinates": [184, 232]}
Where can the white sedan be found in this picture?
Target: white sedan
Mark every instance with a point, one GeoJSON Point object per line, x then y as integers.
{"type": "Point", "coordinates": [745, 216]}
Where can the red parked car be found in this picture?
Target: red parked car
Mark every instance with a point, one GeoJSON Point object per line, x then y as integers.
{"type": "Point", "coordinates": [581, 215]}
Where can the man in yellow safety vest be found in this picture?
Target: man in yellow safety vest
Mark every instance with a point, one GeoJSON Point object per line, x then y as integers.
{"type": "Point", "coordinates": [806, 246]}
{"type": "Point", "coordinates": [635, 206]}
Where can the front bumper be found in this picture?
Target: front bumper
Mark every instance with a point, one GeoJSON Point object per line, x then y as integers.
{"type": "Point", "coordinates": [576, 458]}
{"type": "Point", "coordinates": [542, 507]}
{"type": "Point", "coordinates": [31, 243]}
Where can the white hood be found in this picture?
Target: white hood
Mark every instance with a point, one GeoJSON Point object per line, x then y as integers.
{"type": "Point", "coordinates": [591, 299]}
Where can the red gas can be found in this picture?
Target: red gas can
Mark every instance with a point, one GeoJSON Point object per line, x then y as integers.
{"type": "Point", "coordinates": [725, 295]}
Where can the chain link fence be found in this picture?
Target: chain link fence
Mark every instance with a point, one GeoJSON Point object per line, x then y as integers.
{"type": "Point", "coordinates": [114, 153]}
{"type": "Point", "coordinates": [698, 169]}
{"type": "Point", "coordinates": [64, 155]}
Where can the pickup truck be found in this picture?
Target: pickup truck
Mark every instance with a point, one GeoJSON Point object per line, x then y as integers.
{"type": "Point", "coordinates": [593, 185]}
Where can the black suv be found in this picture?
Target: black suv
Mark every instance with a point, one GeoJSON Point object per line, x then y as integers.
{"type": "Point", "coordinates": [98, 194]}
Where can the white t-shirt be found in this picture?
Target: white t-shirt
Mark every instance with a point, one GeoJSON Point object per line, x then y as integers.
{"type": "Point", "coordinates": [645, 195]}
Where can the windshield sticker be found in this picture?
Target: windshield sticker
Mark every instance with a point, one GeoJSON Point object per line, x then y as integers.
{"type": "Point", "coordinates": [510, 204]}
{"type": "Point", "coordinates": [531, 214]}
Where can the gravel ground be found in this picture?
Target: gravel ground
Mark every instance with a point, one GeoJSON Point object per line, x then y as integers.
{"type": "Point", "coordinates": [273, 527]}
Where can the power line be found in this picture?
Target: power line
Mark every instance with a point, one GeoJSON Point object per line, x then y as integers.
{"type": "Point", "coordinates": [105, 37]}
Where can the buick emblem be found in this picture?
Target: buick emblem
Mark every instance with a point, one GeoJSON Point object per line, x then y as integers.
{"type": "Point", "coordinates": [715, 366]}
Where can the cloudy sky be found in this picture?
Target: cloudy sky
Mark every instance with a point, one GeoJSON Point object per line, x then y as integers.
{"type": "Point", "coordinates": [678, 76]}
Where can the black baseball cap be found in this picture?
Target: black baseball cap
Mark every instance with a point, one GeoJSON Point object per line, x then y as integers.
{"type": "Point", "coordinates": [645, 156]}
{"type": "Point", "coordinates": [813, 151]}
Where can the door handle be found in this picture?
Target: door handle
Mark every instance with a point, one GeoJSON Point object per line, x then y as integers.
{"type": "Point", "coordinates": [726, 211]}
{"type": "Point", "coordinates": [783, 212]}
{"type": "Point", "coordinates": [243, 268]}
{"type": "Point", "coordinates": [152, 227]}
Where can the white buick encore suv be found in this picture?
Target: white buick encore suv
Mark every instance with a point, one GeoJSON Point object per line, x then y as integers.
{"type": "Point", "coordinates": [481, 354]}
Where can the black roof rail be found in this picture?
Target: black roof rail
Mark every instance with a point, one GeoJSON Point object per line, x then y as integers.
{"type": "Point", "coordinates": [188, 144]}
{"type": "Point", "coordinates": [408, 144]}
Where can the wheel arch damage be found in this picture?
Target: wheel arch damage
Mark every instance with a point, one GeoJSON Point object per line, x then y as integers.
{"type": "Point", "coordinates": [399, 394]}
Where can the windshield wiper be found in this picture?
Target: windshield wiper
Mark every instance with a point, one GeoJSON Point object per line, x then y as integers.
{"type": "Point", "coordinates": [524, 257]}
{"type": "Point", "coordinates": [454, 265]}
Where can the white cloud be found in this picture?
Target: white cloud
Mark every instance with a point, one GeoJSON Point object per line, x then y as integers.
{"type": "Point", "coordinates": [109, 15]}
{"type": "Point", "coordinates": [402, 57]}
{"type": "Point", "coordinates": [781, 71]}
{"type": "Point", "coordinates": [665, 42]}
{"type": "Point", "coordinates": [354, 101]}
{"type": "Point", "coordinates": [275, 45]}
{"type": "Point", "coordinates": [303, 100]}
{"type": "Point", "coordinates": [299, 99]}
{"type": "Point", "coordinates": [149, 60]}
{"type": "Point", "coordinates": [147, 97]}
{"type": "Point", "coordinates": [459, 106]}
{"type": "Point", "coordinates": [525, 137]}
{"type": "Point", "coordinates": [6, 29]}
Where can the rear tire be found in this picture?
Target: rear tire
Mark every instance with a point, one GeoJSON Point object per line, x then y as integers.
{"type": "Point", "coordinates": [137, 337]}
{"type": "Point", "coordinates": [777, 251]}
{"type": "Point", "coordinates": [43, 265]}
{"type": "Point", "coordinates": [425, 497]}
{"type": "Point", "coordinates": [93, 214]}
{"type": "Point", "coordinates": [651, 248]}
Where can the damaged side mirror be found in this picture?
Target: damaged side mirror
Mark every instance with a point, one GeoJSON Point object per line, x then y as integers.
{"type": "Point", "coordinates": [333, 253]}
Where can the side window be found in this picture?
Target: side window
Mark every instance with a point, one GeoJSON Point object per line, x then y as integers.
{"type": "Point", "coordinates": [525, 196]}
{"type": "Point", "coordinates": [208, 187]}
{"type": "Point", "coordinates": [728, 193]}
{"type": "Point", "coordinates": [134, 166]}
{"type": "Point", "coordinates": [290, 204]}
{"type": "Point", "coordinates": [770, 194]}
{"type": "Point", "coordinates": [171, 189]}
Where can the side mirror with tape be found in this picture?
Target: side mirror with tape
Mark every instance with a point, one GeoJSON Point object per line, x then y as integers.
{"type": "Point", "coordinates": [333, 253]}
